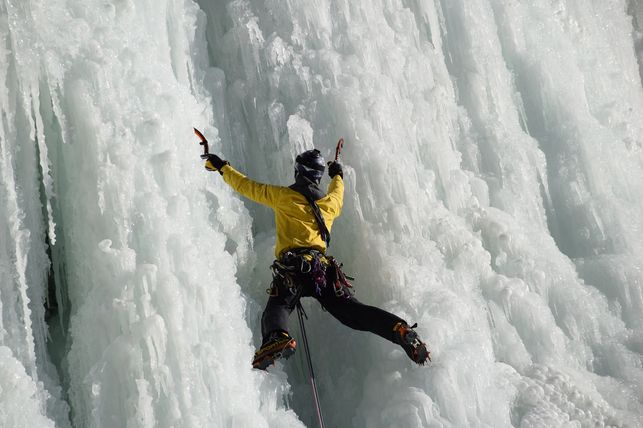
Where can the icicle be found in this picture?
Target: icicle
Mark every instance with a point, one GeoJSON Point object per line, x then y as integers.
{"type": "Point", "coordinates": [45, 169]}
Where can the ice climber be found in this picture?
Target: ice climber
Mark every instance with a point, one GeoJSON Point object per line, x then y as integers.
{"type": "Point", "coordinates": [304, 215]}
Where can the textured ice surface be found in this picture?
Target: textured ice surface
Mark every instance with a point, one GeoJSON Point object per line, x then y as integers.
{"type": "Point", "coordinates": [21, 403]}
{"type": "Point", "coordinates": [494, 185]}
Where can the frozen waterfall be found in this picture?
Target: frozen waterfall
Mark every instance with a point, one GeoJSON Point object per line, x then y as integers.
{"type": "Point", "coordinates": [494, 195]}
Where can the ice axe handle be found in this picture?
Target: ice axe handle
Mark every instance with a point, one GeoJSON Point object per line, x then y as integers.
{"type": "Point", "coordinates": [338, 150]}
{"type": "Point", "coordinates": [204, 142]}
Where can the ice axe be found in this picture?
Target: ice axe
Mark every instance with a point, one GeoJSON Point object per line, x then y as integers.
{"type": "Point", "coordinates": [338, 149]}
{"type": "Point", "coordinates": [204, 143]}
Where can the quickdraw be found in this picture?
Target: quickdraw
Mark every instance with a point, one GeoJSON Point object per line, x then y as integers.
{"type": "Point", "coordinates": [280, 270]}
{"type": "Point", "coordinates": [342, 287]}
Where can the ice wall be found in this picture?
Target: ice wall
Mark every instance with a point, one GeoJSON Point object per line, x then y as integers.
{"type": "Point", "coordinates": [98, 103]}
{"type": "Point", "coordinates": [493, 164]}
{"type": "Point", "coordinates": [494, 173]}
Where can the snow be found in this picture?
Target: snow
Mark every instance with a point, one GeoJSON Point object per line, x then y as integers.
{"type": "Point", "coordinates": [494, 180]}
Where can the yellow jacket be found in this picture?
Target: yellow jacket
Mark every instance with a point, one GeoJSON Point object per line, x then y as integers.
{"type": "Point", "coordinates": [294, 218]}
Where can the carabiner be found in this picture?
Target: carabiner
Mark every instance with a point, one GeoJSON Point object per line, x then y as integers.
{"type": "Point", "coordinates": [305, 263]}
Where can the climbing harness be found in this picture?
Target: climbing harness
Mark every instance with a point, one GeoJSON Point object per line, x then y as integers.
{"type": "Point", "coordinates": [290, 267]}
{"type": "Point", "coordinates": [294, 264]}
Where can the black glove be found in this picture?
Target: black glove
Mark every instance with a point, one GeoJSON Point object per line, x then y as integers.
{"type": "Point", "coordinates": [335, 168]}
{"type": "Point", "coordinates": [214, 162]}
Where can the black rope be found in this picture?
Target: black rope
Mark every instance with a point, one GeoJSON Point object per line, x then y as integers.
{"type": "Point", "coordinates": [319, 218]}
{"type": "Point", "coordinates": [311, 192]}
{"type": "Point", "coordinates": [313, 385]}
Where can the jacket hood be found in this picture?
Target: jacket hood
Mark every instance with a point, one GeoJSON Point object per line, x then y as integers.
{"type": "Point", "coordinates": [307, 188]}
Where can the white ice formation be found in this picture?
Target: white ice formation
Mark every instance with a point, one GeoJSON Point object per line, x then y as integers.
{"type": "Point", "coordinates": [494, 195]}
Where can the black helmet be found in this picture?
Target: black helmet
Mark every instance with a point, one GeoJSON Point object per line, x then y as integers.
{"type": "Point", "coordinates": [311, 165]}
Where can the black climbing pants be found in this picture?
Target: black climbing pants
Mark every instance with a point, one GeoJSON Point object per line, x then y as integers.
{"type": "Point", "coordinates": [346, 308]}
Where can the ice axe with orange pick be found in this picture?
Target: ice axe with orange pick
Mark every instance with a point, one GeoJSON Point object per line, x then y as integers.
{"type": "Point", "coordinates": [338, 149]}
{"type": "Point", "coordinates": [204, 142]}
{"type": "Point", "coordinates": [213, 162]}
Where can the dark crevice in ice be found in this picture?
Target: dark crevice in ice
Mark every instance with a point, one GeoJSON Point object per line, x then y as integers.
{"type": "Point", "coordinates": [56, 305]}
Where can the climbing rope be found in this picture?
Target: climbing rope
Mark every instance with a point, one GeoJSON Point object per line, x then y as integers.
{"type": "Point", "coordinates": [311, 372]}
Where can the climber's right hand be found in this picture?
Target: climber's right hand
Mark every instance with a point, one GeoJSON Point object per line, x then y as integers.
{"type": "Point", "coordinates": [214, 162]}
{"type": "Point", "coordinates": [335, 168]}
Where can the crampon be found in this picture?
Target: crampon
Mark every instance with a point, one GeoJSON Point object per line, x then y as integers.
{"type": "Point", "coordinates": [409, 340]}
{"type": "Point", "coordinates": [280, 345]}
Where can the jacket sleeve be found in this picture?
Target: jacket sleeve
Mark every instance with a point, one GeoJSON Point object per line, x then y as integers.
{"type": "Point", "coordinates": [336, 195]}
{"type": "Point", "coordinates": [265, 194]}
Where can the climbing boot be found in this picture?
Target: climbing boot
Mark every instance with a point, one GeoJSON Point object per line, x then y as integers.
{"type": "Point", "coordinates": [279, 344]}
{"type": "Point", "coordinates": [409, 340]}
